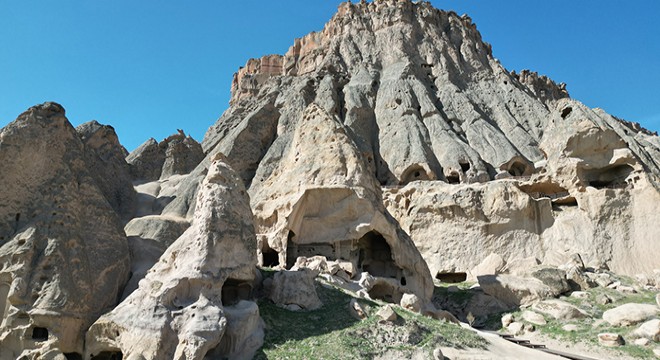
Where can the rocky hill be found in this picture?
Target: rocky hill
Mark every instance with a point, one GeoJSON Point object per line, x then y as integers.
{"type": "Point", "coordinates": [384, 154]}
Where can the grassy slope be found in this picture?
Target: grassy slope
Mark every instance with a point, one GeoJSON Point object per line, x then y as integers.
{"type": "Point", "coordinates": [332, 333]}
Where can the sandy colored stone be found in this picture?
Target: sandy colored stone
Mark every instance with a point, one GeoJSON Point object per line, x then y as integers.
{"type": "Point", "coordinates": [387, 313]}
{"type": "Point", "coordinates": [610, 339]}
{"type": "Point", "coordinates": [514, 290]}
{"type": "Point", "coordinates": [64, 258]}
{"type": "Point", "coordinates": [559, 309]}
{"type": "Point", "coordinates": [533, 317]}
{"type": "Point", "coordinates": [295, 288]}
{"type": "Point", "coordinates": [184, 307]}
{"type": "Point", "coordinates": [105, 157]}
{"type": "Point", "coordinates": [630, 314]}
{"type": "Point", "coordinates": [648, 330]}
{"type": "Point", "coordinates": [493, 264]}
{"type": "Point", "coordinates": [516, 328]}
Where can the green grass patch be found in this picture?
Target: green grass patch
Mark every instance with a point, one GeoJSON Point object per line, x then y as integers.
{"type": "Point", "coordinates": [332, 333]}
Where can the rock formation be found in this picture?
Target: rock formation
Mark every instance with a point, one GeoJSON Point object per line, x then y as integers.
{"type": "Point", "coordinates": [107, 164]}
{"type": "Point", "coordinates": [388, 148]}
{"type": "Point", "coordinates": [177, 154]}
{"type": "Point", "coordinates": [178, 310]}
{"type": "Point", "coordinates": [63, 255]}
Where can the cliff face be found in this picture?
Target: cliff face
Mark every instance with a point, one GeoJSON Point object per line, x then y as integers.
{"type": "Point", "coordinates": [422, 98]}
{"type": "Point", "coordinates": [391, 143]}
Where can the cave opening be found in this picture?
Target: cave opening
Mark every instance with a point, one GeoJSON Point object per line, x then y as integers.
{"type": "Point", "coordinates": [375, 256]}
{"type": "Point", "coordinates": [453, 178]}
{"type": "Point", "coordinates": [567, 111]}
{"type": "Point", "coordinates": [465, 166]}
{"type": "Point", "coordinates": [414, 173]}
{"type": "Point", "coordinates": [73, 356]}
{"type": "Point", "coordinates": [108, 355]}
{"type": "Point", "coordinates": [517, 169]}
{"type": "Point", "coordinates": [610, 177]}
{"type": "Point", "coordinates": [270, 258]}
{"type": "Point", "coordinates": [233, 291]}
{"type": "Point", "coordinates": [39, 334]}
{"type": "Point", "coordinates": [453, 277]}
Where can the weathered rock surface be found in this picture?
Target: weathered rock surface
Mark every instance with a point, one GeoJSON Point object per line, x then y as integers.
{"type": "Point", "coordinates": [559, 310]}
{"type": "Point", "coordinates": [648, 330]}
{"type": "Point", "coordinates": [295, 288]}
{"type": "Point", "coordinates": [630, 314]}
{"type": "Point", "coordinates": [610, 339]}
{"type": "Point", "coordinates": [515, 291]}
{"type": "Point", "coordinates": [176, 155]}
{"type": "Point", "coordinates": [64, 258]}
{"type": "Point", "coordinates": [106, 163]}
{"type": "Point", "coordinates": [179, 309]}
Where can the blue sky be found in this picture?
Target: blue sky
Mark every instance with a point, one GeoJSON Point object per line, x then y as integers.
{"type": "Point", "coordinates": [149, 67]}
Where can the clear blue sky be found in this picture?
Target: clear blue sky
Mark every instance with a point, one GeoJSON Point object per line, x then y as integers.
{"type": "Point", "coordinates": [149, 67]}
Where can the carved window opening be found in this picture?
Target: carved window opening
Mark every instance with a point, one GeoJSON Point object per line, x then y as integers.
{"type": "Point", "coordinates": [375, 256]}
{"type": "Point", "coordinates": [233, 291]}
{"type": "Point", "coordinates": [453, 278]}
{"type": "Point", "coordinates": [109, 355]}
{"type": "Point", "coordinates": [39, 334]}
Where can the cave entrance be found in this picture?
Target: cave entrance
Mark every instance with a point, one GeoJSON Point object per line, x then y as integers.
{"type": "Point", "coordinates": [611, 177]}
{"type": "Point", "coordinates": [375, 256]}
{"type": "Point", "coordinates": [414, 173]}
{"type": "Point", "coordinates": [465, 166]}
{"type": "Point", "coordinates": [108, 355]}
{"type": "Point", "coordinates": [453, 278]}
{"type": "Point", "coordinates": [39, 334]}
{"type": "Point", "coordinates": [338, 250]}
{"type": "Point", "coordinates": [4, 302]}
{"type": "Point", "coordinates": [233, 291]}
{"type": "Point", "coordinates": [517, 169]}
{"type": "Point", "coordinates": [453, 178]}
{"type": "Point", "coordinates": [270, 258]}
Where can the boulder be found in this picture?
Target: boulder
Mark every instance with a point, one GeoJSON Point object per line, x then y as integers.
{"type": "Point", "coordinates": [295, 288]}
{"type": "Point", "coordinates": [559, 310]}
{"type": "Point", "coordinates": [630, 314]}
{"type": "Point", "coordinates": [65, 258]}
{"type": "Point", "coordinates": [200, 289]}
{"type": "Point", "coordinates": [515, 291]}
{"type": "Point", "coordinates": [516, 328]}
{"type": "Point", "coordinates": [411, 302]}
{"type": "Point", "coordinates": [507, 319]}
{"type": "Point", "coordinates": [553, 278]}
{"type": "Point", "coordinates": [534, 318]}
{"type": "Point", "coordinates": [386, 313]}
{"type": "Point", "coordinates": [357, 310]}
{"type": "Point", "coordinates": [493, 264]}
{"type": "Point", "coordinates": [648, 330]}
{"type": "Point", "coordinates": [610, 339]}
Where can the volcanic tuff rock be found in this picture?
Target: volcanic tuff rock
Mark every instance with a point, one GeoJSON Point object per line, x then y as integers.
{"type": "Point", "coordinates": [178, 310]}
{"type": "Point", "coordinates": [177, 154]}
{"type": "Point", "coordinates": [107, 160]}
{"type": "Point", "coordinates": [63, 255]}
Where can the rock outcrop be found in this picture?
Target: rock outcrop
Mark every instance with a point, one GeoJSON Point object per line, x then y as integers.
{"type": "Point", "coordinates": [106, 159]}
{"type": "Point", "coordinates": [179, 309]}
{"type": "Point", "coordinates": [177, 154]}
{"type": "Point", "coordinates": [64, 258]}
